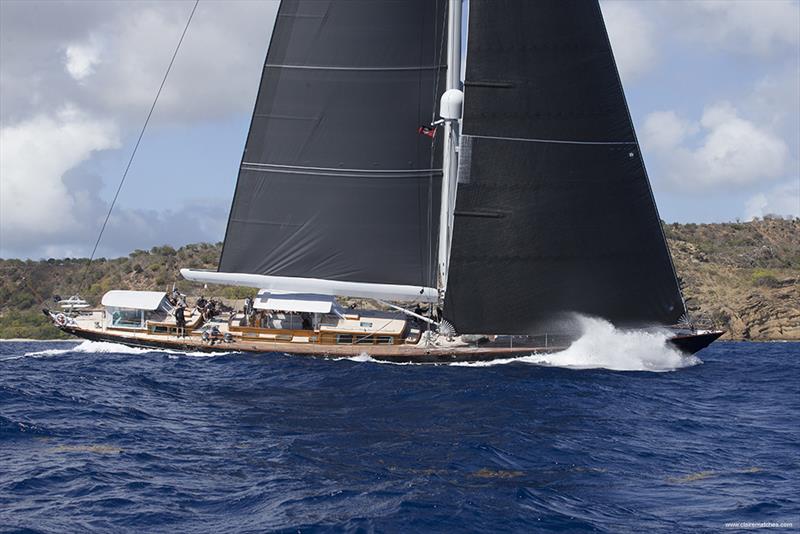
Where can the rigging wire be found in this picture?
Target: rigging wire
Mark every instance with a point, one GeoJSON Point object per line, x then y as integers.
{"type": "Point", "coordinates": [136, 147]}
{"type": "Point", "coordinates": [437, 54]}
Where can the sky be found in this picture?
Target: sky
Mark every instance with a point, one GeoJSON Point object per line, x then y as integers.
{"type": "Point", "coordinates": [713, 87]}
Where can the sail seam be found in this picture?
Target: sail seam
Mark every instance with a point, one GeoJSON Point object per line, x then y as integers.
{"type": "Point", "coordinates": [306, 167]}
{"type": "Point", "coordinates": [332, 171]}
{"type": "Point", "coordinates": [556, 141]}
{"type": "Point", "coordinates": [327, 67]}
{"type": "Point", "coordinates": [343, 174]}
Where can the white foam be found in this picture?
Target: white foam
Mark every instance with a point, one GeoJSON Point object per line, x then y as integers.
{"type": "Point", "coordinates": [602, 346]}
{"type": "Point", "coordinates": [91, 347]}
{"type": "Point", "coordinates": [105, 347]}
{"type": "Point", "coordinates": [366, 358]}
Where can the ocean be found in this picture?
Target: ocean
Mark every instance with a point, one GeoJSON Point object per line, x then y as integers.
{"type": "Point", "coordinates": [617, 434]}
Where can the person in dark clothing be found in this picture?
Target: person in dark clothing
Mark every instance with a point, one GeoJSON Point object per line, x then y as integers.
{"type": "Point", "coordinates": [210, 310]}
{"type": "Point", "coordinates": [306, 317]}
{"type": "Point", "coordinates": [180, 320]}
{"type": "Point", "coordinates": [201, 303]}
{"type": "Point", "coordinates": [248, 311]}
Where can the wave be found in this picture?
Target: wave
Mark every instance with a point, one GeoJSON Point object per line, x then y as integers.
{"type": "Point", "coordinates": [91, 347]}
{"type": "Point", "coordinates": [105, 347]}
{"type": "Point", "coordinates": [364, 357]}
{"type": "Point", "coordinates": [600, 346]}
{"type": "Point", "coordinates": [603, 346]}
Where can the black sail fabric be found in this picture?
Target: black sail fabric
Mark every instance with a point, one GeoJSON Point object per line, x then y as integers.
{"type": "Point", "coordinates": [554, 212]}
{"type": "Point", "coordinates": [336, 182]}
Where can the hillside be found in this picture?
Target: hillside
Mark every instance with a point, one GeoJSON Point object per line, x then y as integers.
{"type": "Point", "coordinates": [742, 276]}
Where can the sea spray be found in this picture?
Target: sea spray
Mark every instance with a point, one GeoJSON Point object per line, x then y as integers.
{"type": "Point", "coordinates": [104, 347]}
{"type": "Point", "coordinates": [603, 346]}
{"type": "Point", "coordinates": [600, 346]}
{"type": "Point", "coordinates": [90, 347]}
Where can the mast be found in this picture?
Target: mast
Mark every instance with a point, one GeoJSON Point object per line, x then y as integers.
{"type": "Point", "coordinates": [450, 111]}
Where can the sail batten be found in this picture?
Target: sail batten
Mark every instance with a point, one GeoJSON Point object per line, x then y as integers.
{"type": "Point", "coordinates": [557, 141]}
{"type": "Point", "coordinates": [554, 213]}
{"type": "Point", "coordinates": [355, 68]}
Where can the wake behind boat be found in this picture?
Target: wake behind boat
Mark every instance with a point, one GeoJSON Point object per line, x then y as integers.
{"type": "Point", "coordinates": [490, 205]}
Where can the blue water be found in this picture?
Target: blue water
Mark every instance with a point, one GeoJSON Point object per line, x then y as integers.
{"type": "Point", "coordinates": [102, 438]}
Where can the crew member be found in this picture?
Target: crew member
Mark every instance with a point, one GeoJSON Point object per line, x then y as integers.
{"type": "Point", "coordinates": [180, 320]}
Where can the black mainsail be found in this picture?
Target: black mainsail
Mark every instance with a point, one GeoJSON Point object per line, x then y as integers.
{"type": "Point", "coordinates": [336, 183]}
{"type": "Point", "coordinates": [554, 211]}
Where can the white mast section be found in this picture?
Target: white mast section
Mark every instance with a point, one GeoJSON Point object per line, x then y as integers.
{"type": "Point", "coordinates": [317, 286]}
{"type": "Point", "coordinates": [450, 111]}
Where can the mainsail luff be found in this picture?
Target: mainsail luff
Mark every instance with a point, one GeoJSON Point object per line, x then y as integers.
{"type": "Point", "coordinates": [335, 182]}
{"type": "Point", "coordinates": [554, 211]}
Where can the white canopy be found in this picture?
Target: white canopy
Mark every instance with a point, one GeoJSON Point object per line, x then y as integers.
{"type": "Point", "coordinates": [316, 286]}
{"type": "Point", "coordinates": [294, 302]}
{"type": "Point", "coordinates": [137, 300]}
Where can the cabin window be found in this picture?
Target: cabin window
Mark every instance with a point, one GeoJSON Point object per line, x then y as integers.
{"type": "Point", "coordinates": [126, 318]}
{"type": "Point", "coordinates": [365, 340]}
{"type": "Point", "coordinates": [365, 324]}
{"type": "Point", "coordinates": [344, 339]}
{"type": "Point", "coordinates": [385, 340]}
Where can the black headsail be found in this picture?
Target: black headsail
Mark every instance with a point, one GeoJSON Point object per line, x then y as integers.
{"type": "Point", "coordinates": [336, 182]}
{"type": "Point", "coordinates": [554, 211]}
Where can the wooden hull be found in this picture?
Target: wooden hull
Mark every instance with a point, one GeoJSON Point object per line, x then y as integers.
{"type": "Point", "coordinates": [689, 344]}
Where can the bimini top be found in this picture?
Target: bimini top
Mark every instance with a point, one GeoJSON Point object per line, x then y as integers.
{"type": "Point", "coordinates": [294, 302]}
{"type": "Point", "coordinates": [137, 300]}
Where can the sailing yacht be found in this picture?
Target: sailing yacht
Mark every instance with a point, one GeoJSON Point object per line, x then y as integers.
{"type": "Point", "coordinates": [498, 206]}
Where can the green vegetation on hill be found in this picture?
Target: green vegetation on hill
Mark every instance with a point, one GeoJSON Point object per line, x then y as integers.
{"type": "Point", "coordinates": [742, 276]}
{"type": "Point", "coordinates": [27, 286]}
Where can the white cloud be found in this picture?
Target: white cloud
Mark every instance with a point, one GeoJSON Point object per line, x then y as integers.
{"type": "Point", "coordinates": [664, 130]}
{"type": "Point", "coordinates": [735, 150]}
{"type": "Point", "coordinates": [759, 27]}
{"type": "Point", "coordinates": [631, 35]}
{"type": "Point", "coordinates": [776, 100]}
{"type": "Point", "coordinates": [782, 200]}
{"type": "Point", "coordinates": [35, 203]}
{"type": "Point", "coordinates": [730, 150]}
{"type": "Point", "coordinates": [80, 59]}
{"type": "Point", "coordinates": [117, 52]}
{"type": "Point", "coordinates": [123, 49]}
{"type": "Point", "coordinates": [50, 206]}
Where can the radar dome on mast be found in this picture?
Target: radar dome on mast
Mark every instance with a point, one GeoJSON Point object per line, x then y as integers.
{"type": "Point", "coordinates": [451, 104]}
